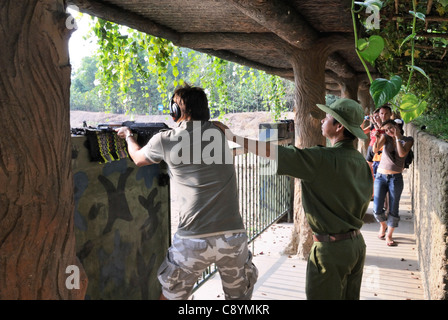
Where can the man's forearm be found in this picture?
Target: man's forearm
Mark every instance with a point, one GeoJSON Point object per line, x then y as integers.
{"type": "Point", "coordinates": [134, 148]}
{"type": "Point", "coordinates": [260, 148]}
{"type": "Point", "coordinates": [136, 153]}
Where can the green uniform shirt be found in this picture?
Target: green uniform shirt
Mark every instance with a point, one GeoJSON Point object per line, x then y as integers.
{"type": "Point", "coordinates": [337, 184]}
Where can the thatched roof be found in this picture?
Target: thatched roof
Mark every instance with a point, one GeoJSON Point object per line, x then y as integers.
{"type": "Point", "coordinates": [249, 32]}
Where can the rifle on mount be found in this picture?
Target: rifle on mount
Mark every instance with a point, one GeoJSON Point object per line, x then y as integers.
{"type": "Point", "coordinates": [104, 144]}
{"type": "Point", "coordinates": [143, 130]}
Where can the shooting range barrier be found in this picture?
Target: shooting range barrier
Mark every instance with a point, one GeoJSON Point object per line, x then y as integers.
{"type": "Point", "coordinates": [122, 218]}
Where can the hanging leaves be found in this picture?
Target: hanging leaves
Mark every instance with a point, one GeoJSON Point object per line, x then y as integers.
{"type": "Point", "coordinates": [370, 4]}
{"type": "Point", "coordinates": [371, 48]}
{"type": "Point", "coordinates": [418, 15]}
{"type": "Point", "coordinates": [127, 56]}
{"type": "Point", "coordinates": [118, 52]}
{"type": "Point", "coordinates": [410, 107]}
{"type": "Point", "coordinates": [383, 90]}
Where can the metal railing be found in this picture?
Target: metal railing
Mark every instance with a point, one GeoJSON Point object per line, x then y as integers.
{"type": "Point", "coordinates": [264, 196]}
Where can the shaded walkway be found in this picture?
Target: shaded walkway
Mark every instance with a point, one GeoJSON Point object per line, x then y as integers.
{"type": "Point", "coordinates": [391, 273]}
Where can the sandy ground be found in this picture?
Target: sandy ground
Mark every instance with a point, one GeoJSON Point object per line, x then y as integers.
{"type": "Point", "coordinates": [244, 124]}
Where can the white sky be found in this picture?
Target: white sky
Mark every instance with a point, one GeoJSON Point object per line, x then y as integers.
{"type": "Point", "coordinates": [78, 47]}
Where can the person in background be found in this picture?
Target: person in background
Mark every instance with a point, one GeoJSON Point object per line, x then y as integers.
{"type": "Point", "coordinates": [389, 177]}
{"type": "Point", "coordinates": [385, 113]}
{"type": "Point", "coordinates": [374, 125]}
{"type": "Point", "coordinates": [210, 229]}
{"type": "Point", "coordinates": [336, 191]}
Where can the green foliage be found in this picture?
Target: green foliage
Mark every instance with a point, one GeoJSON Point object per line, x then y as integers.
{"type": "Point", "coordinates": [135, 72]}
{"type": "Point", "coordinates": [435, 122]}
{"type": "Point", "coordinates": [383, 90]}
{"type": "Point", "coordinates": [370, 49]}
{"type": "Point", "coordinates": [120, 62]}
{"type": "Point", "coordinates": [401, 56]}
{"type": "Point", "coordinates": [411, 107]}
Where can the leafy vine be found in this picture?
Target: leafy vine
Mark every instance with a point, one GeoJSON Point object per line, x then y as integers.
{"type": "Point", "coordinates": [123, 50]}
{"type": "Point", "coordinates": [392, 90]}
{"type": "Point", "coordinates": [119, 54]}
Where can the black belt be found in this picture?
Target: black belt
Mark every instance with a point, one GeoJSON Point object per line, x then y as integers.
{"type": "Point", "coordinates": [388, 175]}
{"type": "Point", "coordinates": [336, 237]}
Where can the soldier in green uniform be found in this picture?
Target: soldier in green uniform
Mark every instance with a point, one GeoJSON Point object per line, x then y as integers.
{"type": "Point", "coordinates": [336, 191]}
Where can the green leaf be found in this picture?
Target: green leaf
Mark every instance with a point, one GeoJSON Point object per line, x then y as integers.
{"type": "Point", "coordinates": [410, 107]}
{"type": "Point", "coordinates": [409, 37]}
{"type": "Point", "coordinates": [383, 90]}
{"type": "Point", "coordinates": [370, 3]}
{"type": "Point", "coordinates": [371, 49]}
{"type": "Point", "coordinates": [418, 15]}
{"type": "Point", "coordinates": [419, 70]}
{"type": "Point", "coordinates": [362, 45]}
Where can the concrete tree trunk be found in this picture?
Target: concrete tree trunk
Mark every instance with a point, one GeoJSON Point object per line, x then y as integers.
{"type": "Point", "coordinates": [366, 101]}
{"type": "Point", "coordinates": [37, 243]}
{"type": "Point", "coordinates": [309, 75]}
{"type": "Point", "coordinates": [350, 89]}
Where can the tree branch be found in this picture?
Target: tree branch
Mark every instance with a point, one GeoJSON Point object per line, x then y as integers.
{"type": "Point", "coordinates": [113, 13]}
{"type": "Point", "coordinates": [280, 18]}
{"type": "Point", "coordinates": [229, 56]}
{"type": "Point", "coordinates": [230, 41]}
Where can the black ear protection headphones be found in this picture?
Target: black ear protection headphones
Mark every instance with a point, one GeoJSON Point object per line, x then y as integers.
{"type": "Point", "coordinates": [175, 111]}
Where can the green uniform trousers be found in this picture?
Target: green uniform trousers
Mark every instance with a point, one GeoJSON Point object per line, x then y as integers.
{"type": "Point", "coordinates": [334, 269]}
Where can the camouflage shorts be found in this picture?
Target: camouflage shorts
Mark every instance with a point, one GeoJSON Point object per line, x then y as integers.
{"type": "Point", "coordinates": [188, 258]}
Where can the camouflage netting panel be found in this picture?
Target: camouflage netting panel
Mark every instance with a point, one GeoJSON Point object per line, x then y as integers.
{"type": "Point", "coordinates": [122, 224]}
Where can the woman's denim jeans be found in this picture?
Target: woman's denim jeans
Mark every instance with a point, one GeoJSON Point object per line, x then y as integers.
{"type": "Point", "coordinates": [384, 183]}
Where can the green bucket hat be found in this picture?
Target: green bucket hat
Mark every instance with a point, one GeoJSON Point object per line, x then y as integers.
{"type": "Point", "coordinates": [347, 112]}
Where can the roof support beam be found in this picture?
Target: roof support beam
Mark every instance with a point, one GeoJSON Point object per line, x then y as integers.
{"type": "Point", "coordinates": [289, 29]}
{"type": "Point", "coordinates": [205, 43]}
{"type": "Point", "coordinates": [112, 13]}
{"type": "Point", "coordinates": [229, 56]}
{"type": "Point", "coordinates": [280, 18]}
{"type": "Point", "coordinates": [230, 41]}
{"type": "Point", "coordinates": [339, 66]}
{"type": "Point", "coordinates": [212, 42]}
